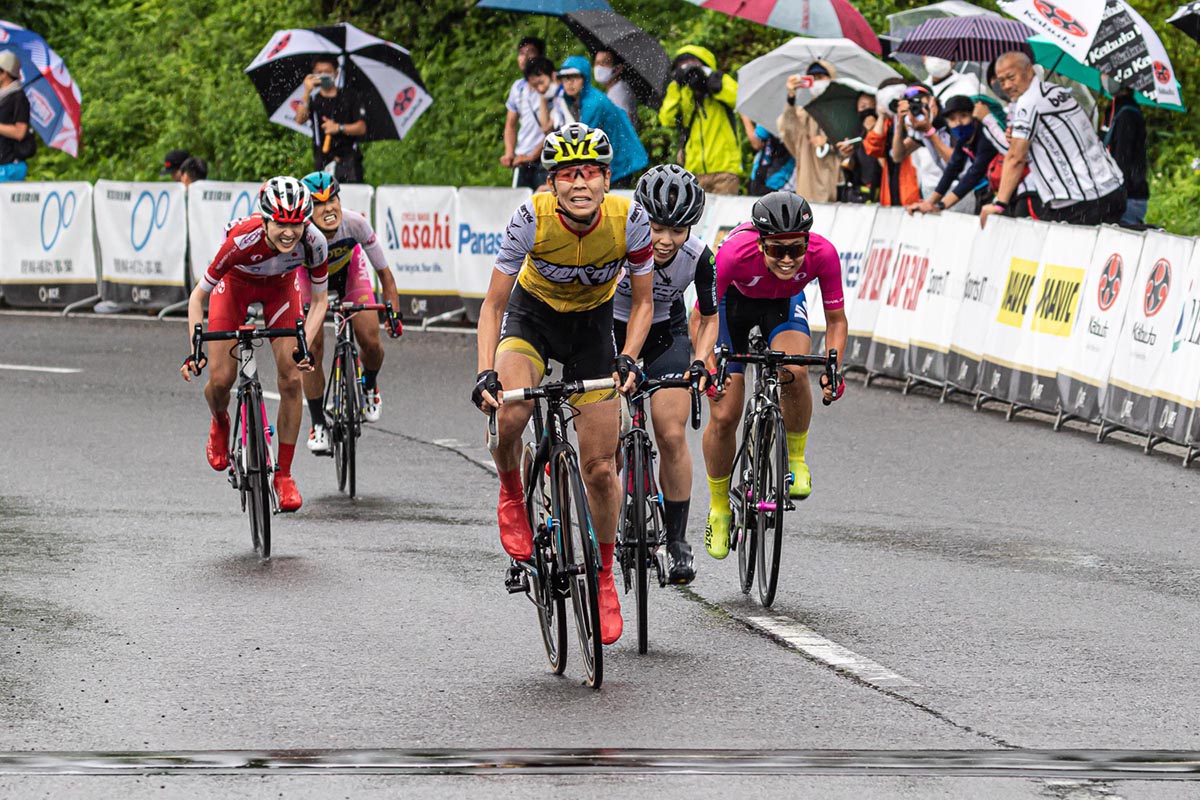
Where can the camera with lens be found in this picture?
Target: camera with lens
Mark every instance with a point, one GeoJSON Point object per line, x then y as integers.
{"type": "Point", "coordinates": [917, 108]}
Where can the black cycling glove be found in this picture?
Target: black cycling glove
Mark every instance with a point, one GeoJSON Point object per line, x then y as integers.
{"type": "Point", "coordinates": [625, 366]}
{"type": "Point", "coordinates": [486, 381]}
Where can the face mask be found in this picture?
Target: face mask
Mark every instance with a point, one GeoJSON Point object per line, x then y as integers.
{"type": "Point", "coordinates": [938, 67]}
{"type": "Point", "coordinates": [963, 132]}
{"type": "Point", "coordinates": [603, 74]}
{"type": "Point", "coordinates": [818, 88]}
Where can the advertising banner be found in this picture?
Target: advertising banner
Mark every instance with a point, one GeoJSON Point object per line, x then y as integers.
{"type": "Point", "coordinates": [863, 307]}
{"type": "Point", "coordinates": [823, 220]}
{"type": "Point", "coordinates": [211, 205]}
{"type": "Point", "coordinates": [1087, 356]}
{"type": "Point", "coordinates": [416, 224]}
{"type": "Point", "coordinates": [1177, 380]}
{"type": "Point", "coordinates": [47, 254]}
{"type": "Point", "coordinates": [902, 293]}
{"type": "Point", "coordinates": [142, 232]}
{"type": "Point", "coordinates": [932, 327]}
{"type": "Point", "coordinates": [1147, 335]}
{"type": "Point", "coordinates": [980, 298]}
{"type": "Point", "coordinates": [358, 197]}
{"type": "Point", "coordinates": [1054, 316]}
{"type": "Point", "coordinates": [998, 374]}
{"type": "Point", "coordinates": [482, 215]}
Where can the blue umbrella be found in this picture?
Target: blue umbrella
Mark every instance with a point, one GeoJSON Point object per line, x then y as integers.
{"type": "Point", "coordinates": [553, 8]}
{"type": "Point", "coordinates": [54, 99]}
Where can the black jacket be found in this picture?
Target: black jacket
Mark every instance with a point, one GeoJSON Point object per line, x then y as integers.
{"type": "Point", "coordinates": [1126, 140]}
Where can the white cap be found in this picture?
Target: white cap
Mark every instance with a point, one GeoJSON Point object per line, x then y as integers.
{"type": "Point", "coordinates": [10, 62]}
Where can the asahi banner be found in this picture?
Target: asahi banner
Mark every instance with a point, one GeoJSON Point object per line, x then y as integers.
{"type": "Point", "coordinates": [47, 254]}
{"type": "Point", "coordinates": [982, 291]}
{"type": "Point", "coordinates": [902, 294]}
{"type": "Point", "coordinates": [416, 224]}
{"type": "Point", "coordinates": [932, 329]}
{"type": "Point", "coordinates": [864, 308]}
{"type": "Point", "coordinates": [1148, 332]}
{"type": "Point", "coordinates": [211, 206]}
{"type": "Point", "coordinates": [482, 218]}
{"type": "Point", "coordinates": [142, 232]}
{"type": "Point", "coordinates": [1087, 356]}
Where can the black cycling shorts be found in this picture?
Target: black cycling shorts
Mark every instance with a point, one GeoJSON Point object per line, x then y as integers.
{"type": "Point", "coordinates": [582, 341]}
{"type": "Point", "coordinates": [667, 352]}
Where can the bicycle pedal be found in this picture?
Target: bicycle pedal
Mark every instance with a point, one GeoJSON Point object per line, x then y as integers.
{"type": "Point", "coordinates": [516, 581]}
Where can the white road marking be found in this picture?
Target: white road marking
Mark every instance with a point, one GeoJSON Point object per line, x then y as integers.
{"type": "Point", "coordinates": [270, 395]}
{"type": "Point", "coordinates": [816, 646]}
{"type": "Point", "coordinates": [32, 368]}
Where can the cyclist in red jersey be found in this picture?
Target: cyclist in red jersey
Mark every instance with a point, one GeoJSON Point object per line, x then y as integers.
{"type": "Point", "coordinates": [257, 263]}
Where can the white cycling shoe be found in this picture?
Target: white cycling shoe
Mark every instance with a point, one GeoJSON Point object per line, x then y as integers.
{"type": "Point", "coordinates": [371, 405]}
{"type": "Point", "coordinates": [318, 440]}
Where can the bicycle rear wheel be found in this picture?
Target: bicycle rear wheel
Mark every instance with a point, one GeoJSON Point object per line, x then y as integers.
{"type": "Point", "coordinates": [771, 485]}
{"type": "Point", "coordinates": [336, 428]}
{"type": "Point", "coordinates": [638, 484]}
{"type": "Point", "coordinates": [744, 525]}
{"type": "Point", "coordinates": [551, 605]}
{"type": "Point", "coordinates": [578, 563]}
{"type": "Point", "coordinates": [351, 409]}
{"type": "Point", "coordinates": [257, 477]}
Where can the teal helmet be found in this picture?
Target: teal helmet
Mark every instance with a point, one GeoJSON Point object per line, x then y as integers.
{"type": "Point", "coordinates": [322, 185]}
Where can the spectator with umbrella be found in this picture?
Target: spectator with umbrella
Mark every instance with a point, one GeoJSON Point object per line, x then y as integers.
{"type": "Point", "coordinates": [338, 122]}
{"type": "Point", "coordinates": [899, 185]}
{"type": "Point", "coordinates": [630, 64]}
{"type": "Point", "coordinates": [50, 93]}
{"type": "Point", "coordinates": [591, 107]}
{"type": "Point", "coordinates": [15, 131]}
{"type": "Point", "coordinates": [609, 70]}
{"type": "Point", "coordinates": [818, 164]}
{"type": "Point", "coordinates": [1126, 142]}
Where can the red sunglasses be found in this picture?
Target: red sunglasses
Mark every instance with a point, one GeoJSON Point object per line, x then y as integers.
{"type": "Point", "coordinates": [585, 171]}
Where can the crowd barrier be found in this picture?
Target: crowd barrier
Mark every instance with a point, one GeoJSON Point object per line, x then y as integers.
{"type": "Point", "coordinates": [1099, 324]}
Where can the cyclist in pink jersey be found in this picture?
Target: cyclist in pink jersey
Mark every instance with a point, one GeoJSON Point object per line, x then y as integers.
{"type": "Point", "coordinates": [762, 269]}
{"type": "Point", "coordinates": [258, 263]}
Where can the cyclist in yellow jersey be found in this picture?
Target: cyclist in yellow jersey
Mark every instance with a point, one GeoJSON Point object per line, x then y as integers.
{"type": "Point", "coordinates": [551, 296]}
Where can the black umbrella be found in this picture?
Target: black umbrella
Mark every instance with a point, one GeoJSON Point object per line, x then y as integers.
{"type": "Point", "coordinates": [1187, 19]}
{"type": "Point", "coordinates": [836, 111]}
{"type": "Point", "coordinates": [647, 65]}
{"type": "Point", "coordinates": [380, 73]}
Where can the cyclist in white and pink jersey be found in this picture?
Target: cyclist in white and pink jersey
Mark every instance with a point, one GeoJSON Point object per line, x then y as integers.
{"type": "Point", "coordinates": [762, 269]}
{"type": "Point", "coordinates": [258, 263]}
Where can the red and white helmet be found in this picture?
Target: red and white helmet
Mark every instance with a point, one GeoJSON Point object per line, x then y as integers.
{"type": "Point", "coordinates": [285, 199]}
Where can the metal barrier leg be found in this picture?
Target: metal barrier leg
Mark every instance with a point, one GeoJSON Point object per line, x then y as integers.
{"type": "Point", "coordinates": [79, 304]}
{"type": "Point", "coordinates": [1062, 418]}
{"type": "Point", "coordinates": [1106, 428]}
{"type": "Point", "coordinates": [449, 315]}
{"type": "Point", "coordinates": [171, 309]}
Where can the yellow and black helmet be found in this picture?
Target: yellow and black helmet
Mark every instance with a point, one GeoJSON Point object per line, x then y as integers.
{"type": "Point", "coordinates": [576, 143]}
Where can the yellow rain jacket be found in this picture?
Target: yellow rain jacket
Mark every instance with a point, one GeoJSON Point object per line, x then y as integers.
{"type": "Point", "coordinates": [712, 144]}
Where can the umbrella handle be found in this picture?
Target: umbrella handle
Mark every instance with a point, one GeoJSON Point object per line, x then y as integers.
{"type": "Point", "coordinates": [328, 143]}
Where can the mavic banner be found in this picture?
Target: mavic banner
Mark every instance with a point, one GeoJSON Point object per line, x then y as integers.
{"type": "Point", "coordinates": [415, 223]}
{"type": "Point", "coordinates": [902, 292]}
{"type": "Point", "coordinates": [980, 298]}
{"type": "Point", "coordinates": [1087, 356]}
{"type": "Point", "coordinates": [823, 217]}
{"type": "Point", "coordinates": [1177, 379]}
{"type": "Point", "coordinates": [212, 205]}
{"type": "Point", "coordinates": [1147, 334]}
{"type": "Point", "coordinates": [864, 307]}
{"type": "Point", "coordinates": [999, 373]}
{"type": "Point", "coordinates": [1055, 313]}
{"type": "Point", "coordinates": [932, 329]}
{"type": "Point", "coordinates": [142, 232]}
{"type": "Point", "coordinates": [483, 215]}
{"type": "Point", "coordinates": [47, 256]}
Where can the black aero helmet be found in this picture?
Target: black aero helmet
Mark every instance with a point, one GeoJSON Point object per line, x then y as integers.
{"type": "Point", "coordinates": [781, 213]}
{"type": "Point", "coordinates": [671, 196]}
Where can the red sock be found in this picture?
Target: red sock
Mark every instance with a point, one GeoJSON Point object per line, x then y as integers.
{"type": "Point", "coordinates": [286, 451]}
{"type": "Point", "coordinates": [606, 556]}
{"type": "Point", "coordinates": [510, 482]}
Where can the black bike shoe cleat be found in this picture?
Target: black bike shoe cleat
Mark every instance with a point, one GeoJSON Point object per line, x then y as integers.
{"type": "Point", "coordinates": [516, 580]}
{"type": "Point", "coordinates": [680, 569]}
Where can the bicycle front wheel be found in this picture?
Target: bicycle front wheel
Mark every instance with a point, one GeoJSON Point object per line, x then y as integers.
{"type": "Point", "coordinates": [579, 562]}
{"type": "Point", "coordinates": [351, 408]}
{"type": "Point", "coordinates": [771, 478]}
{"type": "Point", "coordinates": [551, 604]}
{"type": "Point", "coordinates": [639, 482]}
{"type": "Point", "coordinates": [258, 477]}
{"type": "Point", "coordinates": [744, 525]}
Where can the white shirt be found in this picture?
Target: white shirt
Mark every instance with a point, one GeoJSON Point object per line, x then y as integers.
{"type": "Point", "coordinates": [623, 98]}
{"type": "Point", "coordinates": [524, 101]}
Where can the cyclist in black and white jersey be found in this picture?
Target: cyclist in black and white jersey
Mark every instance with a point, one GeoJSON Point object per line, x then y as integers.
{"type": "Point", "coordinates": [674, 202]}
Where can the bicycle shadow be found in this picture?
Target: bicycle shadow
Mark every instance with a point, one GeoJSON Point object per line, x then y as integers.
{"type": "Point", "coordinates": [286, 567]}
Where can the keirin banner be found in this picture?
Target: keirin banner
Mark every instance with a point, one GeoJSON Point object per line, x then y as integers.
{"type": "Point", "coordinates": [142, 232]}
{"type": "Point", "coordinates": [47, 256]}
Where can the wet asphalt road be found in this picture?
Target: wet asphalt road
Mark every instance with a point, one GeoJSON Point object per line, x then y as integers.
{"type": "Point", "coordinates": [1035, 590]}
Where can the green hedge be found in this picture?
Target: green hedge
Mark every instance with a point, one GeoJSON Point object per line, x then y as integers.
{"type": "Point", "coordinates": [156, 75]}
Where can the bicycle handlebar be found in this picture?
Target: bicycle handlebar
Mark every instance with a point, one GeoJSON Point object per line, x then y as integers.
{"type": "Point", "coordinates": [394, 324]}
{"type": "Point", "coordinates": [249, 333]}
{"type": "Point", "coordinates": [550, 391]}
{"type": "Point", "coordinates": [651, 385]}
{"type": "Point", "coordinates": [774, 359]}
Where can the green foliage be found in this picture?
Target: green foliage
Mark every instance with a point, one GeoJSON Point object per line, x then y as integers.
{"type": "Point", "coordinates": [156, 75]}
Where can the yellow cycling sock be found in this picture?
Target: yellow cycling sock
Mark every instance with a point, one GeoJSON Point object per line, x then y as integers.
{"type": "Point", "coordinates": [797, 442]}
{"type": "Point", "coordinates": [718, 494]}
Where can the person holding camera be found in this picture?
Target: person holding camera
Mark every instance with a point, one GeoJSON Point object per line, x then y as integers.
{"type": "Point", "coordinates": [338, 122]}
{"type": "Point", "coordinates": [921, 133]}
{"type": "Point", "coordinates": [17, 143]}
{"type": "Point", "coordinates": [699, 104]}
{"type": "Point", "coordinates": [818, 165]}
{"type": "Point", "coordinates": [898, 184]}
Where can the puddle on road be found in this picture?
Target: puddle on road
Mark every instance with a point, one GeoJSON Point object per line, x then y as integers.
{"type": "Point", "coordinates": [399, 510]}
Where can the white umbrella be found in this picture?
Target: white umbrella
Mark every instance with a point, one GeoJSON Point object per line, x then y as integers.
{"type": "Point", "coordinates": [762, 84]}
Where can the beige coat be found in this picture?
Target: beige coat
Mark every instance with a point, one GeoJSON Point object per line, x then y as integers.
{"type": "Point", "coordinates": [816, 178]}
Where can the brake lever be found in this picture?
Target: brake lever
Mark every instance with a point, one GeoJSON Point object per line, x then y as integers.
{"type": "Point", "coordinates": [198, 357]}
{"type": "Point", "coordinates": [831, 374]}
{"type": "Point", "coordinates": [722, 367]}
{"type": "Point", "coordinates": [301, 352]}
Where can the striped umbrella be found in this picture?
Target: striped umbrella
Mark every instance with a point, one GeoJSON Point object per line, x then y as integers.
{"type": "Point", "coordinates": [826, 19]}
{"type": "Point", "coordinates": [975, 38]}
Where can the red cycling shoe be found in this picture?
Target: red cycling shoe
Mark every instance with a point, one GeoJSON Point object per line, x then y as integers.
{"type": "Point", "coordinates": [217, 448]}
{"type": "Point", "coordinates": [286, 491]}
{"type": "Point", "coordinates": [515, 535]}
{"type": "Point", "coordinates": [611, 622]}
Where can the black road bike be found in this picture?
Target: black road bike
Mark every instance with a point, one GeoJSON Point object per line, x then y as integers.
{"type": "Point", "coordinates": [344, 390]}
{"type": "Point", "coordinates": [566, 557]}
{"type": "Point", "coordinates": [761, 476]}
{"type": "Point", "coordinates": [250, 463]}
{"type": "Point", "coordinates": [641, 533]}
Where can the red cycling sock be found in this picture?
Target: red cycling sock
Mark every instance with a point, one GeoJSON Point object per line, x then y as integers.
{"type": "Point", "coordinates": [286, 452]}
{"type": "Point", "coordinates": [510, 482]}
{"type": "Point", "coordinates": [606, 556]}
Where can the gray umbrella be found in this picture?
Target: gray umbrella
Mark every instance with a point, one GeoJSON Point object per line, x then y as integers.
{"type": "Point", "coordinates": [647, 65]}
